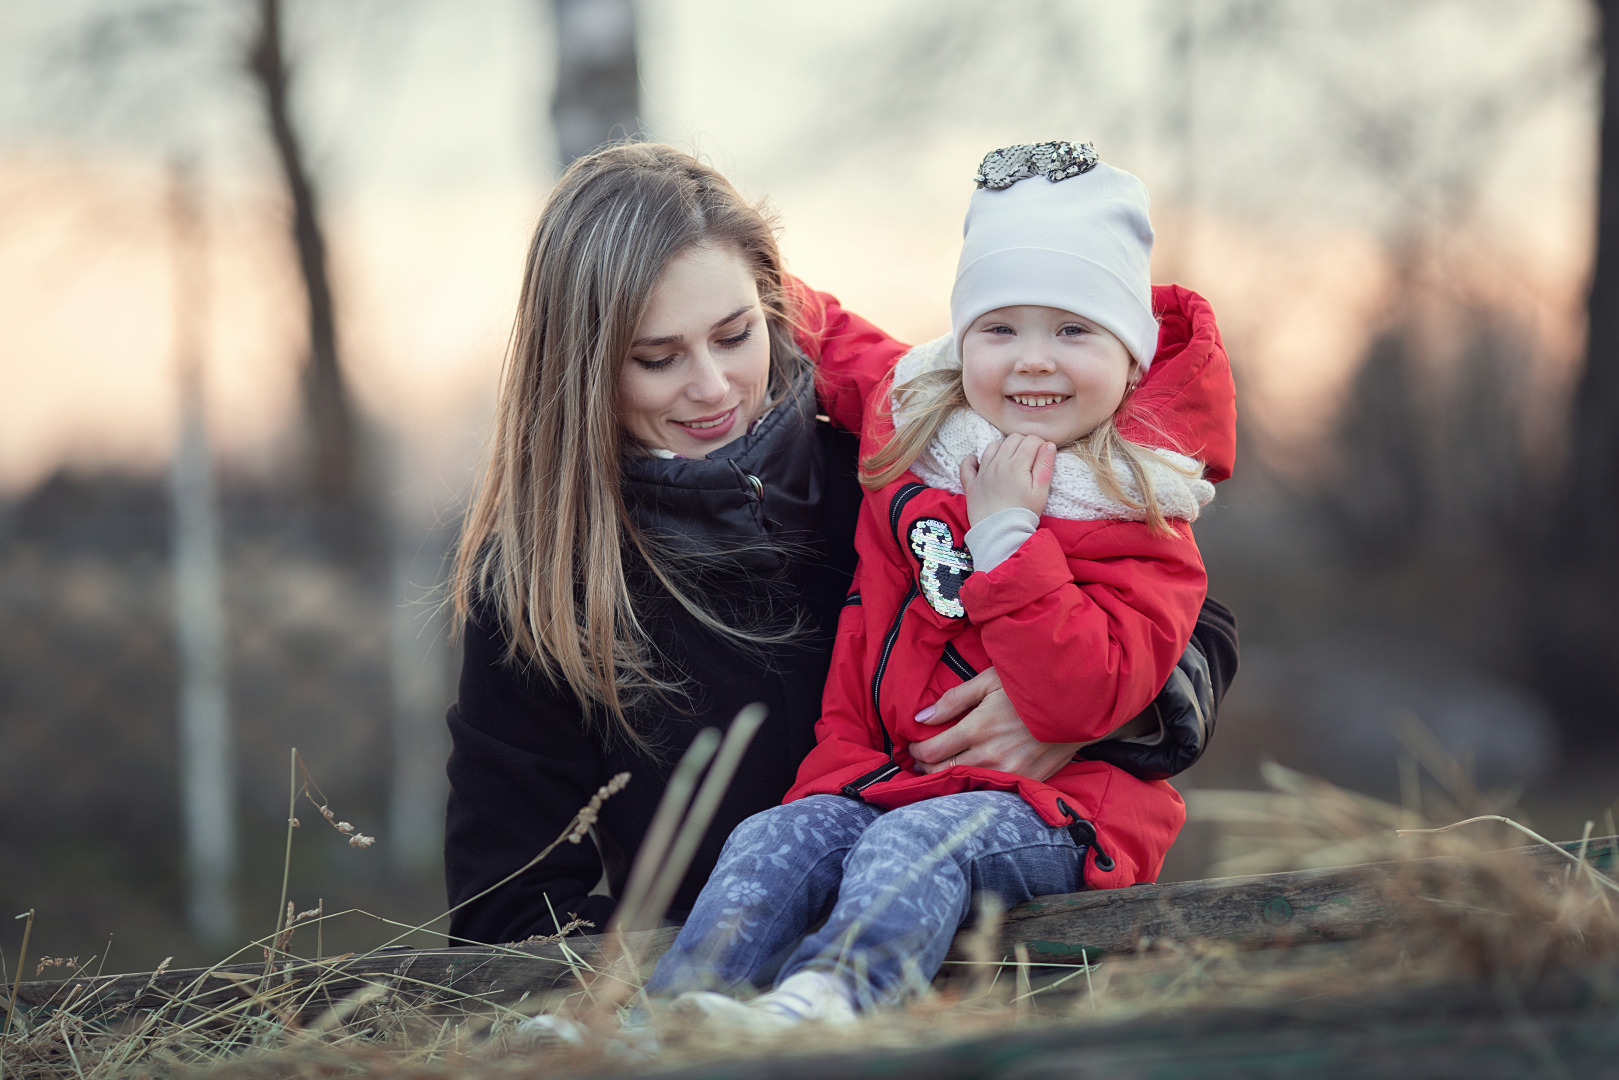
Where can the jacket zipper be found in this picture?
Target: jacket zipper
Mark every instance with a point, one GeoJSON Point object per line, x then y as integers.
{"type": "Point", "coordinates": [955, 662]}
{"type": "Point", "coordinates": [1084, 834]}
{"type": "Point", "coordinates": [882, 666]}
{"type": "Point", "coordinates": [889, 768]}
{"type": "Point", "coordinates": [905, 494]}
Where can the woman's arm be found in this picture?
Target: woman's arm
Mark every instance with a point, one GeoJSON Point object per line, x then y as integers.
{"type": "Point", "coordinates": [1113, 614]}
{"type": "Point", "coordinates": [990, 734]}
{"type": "Point", "coordinates": [520, 768]}
{"type": "Point", "coordinates": [852, 357]}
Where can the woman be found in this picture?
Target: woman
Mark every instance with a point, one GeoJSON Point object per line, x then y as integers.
{"type": "Point", "coordinates": [664, 534]}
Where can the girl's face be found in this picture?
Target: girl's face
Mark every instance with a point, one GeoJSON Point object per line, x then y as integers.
{"type": "Point", "coordinates": [1043, 371]}
{"type": "Point", "coordinates": [697, 371]}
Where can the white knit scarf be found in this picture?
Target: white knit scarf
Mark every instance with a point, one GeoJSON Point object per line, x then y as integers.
{"type": "Point", "coordinates": [1075, 493]}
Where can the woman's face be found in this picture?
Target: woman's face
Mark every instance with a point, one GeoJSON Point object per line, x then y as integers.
{"type": "Point", "coordinates": [697, 371]}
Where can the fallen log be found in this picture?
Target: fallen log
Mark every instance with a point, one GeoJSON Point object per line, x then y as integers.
{"type": "Point", "coordinates": [1335, 904]}
{"type": "Point", "coordinates": [1560, 1024]}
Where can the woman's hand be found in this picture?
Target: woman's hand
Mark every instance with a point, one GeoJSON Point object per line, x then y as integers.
{"type": "Point", "coordinates": [990, 734]}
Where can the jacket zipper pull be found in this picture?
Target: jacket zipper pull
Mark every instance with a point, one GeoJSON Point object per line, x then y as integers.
{"type": "Point", "coordinates": [1084, 834]}
{"type": "Point", "coordinates": [885, 771]}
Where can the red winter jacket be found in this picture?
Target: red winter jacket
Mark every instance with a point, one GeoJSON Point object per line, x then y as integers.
{"type": "Point", "coordinates": [1083, 623]}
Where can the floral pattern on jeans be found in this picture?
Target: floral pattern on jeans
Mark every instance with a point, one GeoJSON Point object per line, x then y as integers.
{"type": "Point", "coordinates": [892, 887]}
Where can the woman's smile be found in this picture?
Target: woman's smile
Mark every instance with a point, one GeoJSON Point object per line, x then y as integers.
{"type": "Point", "coordinates": [710, 427]}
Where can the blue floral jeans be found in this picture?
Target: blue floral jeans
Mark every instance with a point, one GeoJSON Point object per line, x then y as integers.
{"type": "Point", "coordinates": [892, 889]}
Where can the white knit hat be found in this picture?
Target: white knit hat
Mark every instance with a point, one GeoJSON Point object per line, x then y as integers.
{"type": "Point", "coordinates": [1051, 225]}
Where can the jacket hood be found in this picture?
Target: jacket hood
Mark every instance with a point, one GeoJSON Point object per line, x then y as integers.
{"type": "Point", "coordinates": [1187, 400]}
{"type": "Point", "coordinates": [745, 499]}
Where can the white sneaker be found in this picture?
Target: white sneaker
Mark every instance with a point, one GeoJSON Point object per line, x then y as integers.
{"type": "Point", "coordinates": [548, 1030]}
{"type": "Point", "coordinates": [704, 1008]}
{"type": "Point", "coordinates": [631, 1042]}
{"type": "Point", "coordinates": [809, 995]}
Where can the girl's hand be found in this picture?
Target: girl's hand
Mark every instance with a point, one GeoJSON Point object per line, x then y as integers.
{"type": "Point", "coordinates": [990, 734]}
{"type": "Point", "coordinates": [1013, 472]}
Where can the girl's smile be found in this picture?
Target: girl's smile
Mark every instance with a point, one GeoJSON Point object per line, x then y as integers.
{"type": "Point", "coordinates": [1042, 371]}
{"type": "Point", "coordinates": [699, 367]}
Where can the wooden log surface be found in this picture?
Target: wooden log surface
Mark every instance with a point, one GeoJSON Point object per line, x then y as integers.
{"type": "Point", "coordinates": [1560, 1025]}
{"type": "Point", "coordinates": [450, 976]}
{"type": "Point", "coordinates": [1335, 904]}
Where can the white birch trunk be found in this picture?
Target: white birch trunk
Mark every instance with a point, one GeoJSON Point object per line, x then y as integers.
{"type": "Point", "coordinates": [207, 780]}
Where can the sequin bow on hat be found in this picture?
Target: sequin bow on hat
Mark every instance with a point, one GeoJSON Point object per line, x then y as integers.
{"type": "Point", "coordinates": [1052, 160]}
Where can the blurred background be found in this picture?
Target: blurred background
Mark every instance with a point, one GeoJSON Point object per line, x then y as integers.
{"type": "Point", "coordinates": [258, 265]}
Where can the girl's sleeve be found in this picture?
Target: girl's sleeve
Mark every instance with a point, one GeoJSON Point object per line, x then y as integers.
{"type": "Point", "coordinates": [848, 742]}
{"type": "Point", "coordinates": [1083, 640]}
{"type": "Point", "coordinates": [852, 357]}
{"type": "Point", "coordinates": [520, 768]}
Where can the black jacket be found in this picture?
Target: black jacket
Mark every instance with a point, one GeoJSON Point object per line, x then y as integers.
{"type": "Point", "coordinates": [523, 762]}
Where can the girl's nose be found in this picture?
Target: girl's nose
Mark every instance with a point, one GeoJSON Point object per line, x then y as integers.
{"type": "Point", "coordinates": [1035, 361]}
{"type": "Point", "coordinates": [708, 382]}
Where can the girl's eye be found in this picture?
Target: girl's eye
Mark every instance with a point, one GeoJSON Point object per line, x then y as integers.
{"type": "Point", "coordinates": [1074, 330]}
{"type": "Point", "coordinates": [736, 339]}
{"type": "Point", "coordinates": [998, 328]}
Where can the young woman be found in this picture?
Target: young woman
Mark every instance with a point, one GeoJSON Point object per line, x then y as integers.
{"type": "Point", "coordinates": [664, 534]}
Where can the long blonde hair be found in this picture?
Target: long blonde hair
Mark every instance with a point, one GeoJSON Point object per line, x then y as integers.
{"type": "Point", "coordinates": [929, 398]}
{"type": "Point", "coordinates": [545, 540]}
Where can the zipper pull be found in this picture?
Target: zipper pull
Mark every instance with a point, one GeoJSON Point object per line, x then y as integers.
{"type": "Point", "coordinates": [1084, 833]}
{"type": "Point", "coordinates": [887, 770]}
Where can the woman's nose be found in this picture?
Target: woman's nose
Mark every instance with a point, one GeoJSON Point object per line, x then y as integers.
{"type": "Point", "coordinates": [708, 382]}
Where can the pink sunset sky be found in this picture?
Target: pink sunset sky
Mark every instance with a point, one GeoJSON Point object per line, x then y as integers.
{"type": "Point", "coordinates": [427, 128]}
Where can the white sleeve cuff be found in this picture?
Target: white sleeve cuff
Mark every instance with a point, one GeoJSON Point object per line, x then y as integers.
{"type": "Point", "coordinates": [993, 540]}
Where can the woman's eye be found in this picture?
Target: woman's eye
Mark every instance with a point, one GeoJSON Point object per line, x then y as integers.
{"type": "Point", "coordinates": [655, 365]}
{"type": "Point", "coordinates": [736, 339]}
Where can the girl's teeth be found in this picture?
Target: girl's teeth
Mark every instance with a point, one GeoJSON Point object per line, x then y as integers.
{"type": "Point", "coordinates": [1036, 401]}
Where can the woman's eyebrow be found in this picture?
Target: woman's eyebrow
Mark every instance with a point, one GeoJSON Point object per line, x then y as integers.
{"type": "Point", "coordinates": [675, 339]}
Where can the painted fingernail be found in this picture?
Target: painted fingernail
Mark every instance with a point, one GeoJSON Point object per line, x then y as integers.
{"type": "Point", "coordinates": [926, 714]}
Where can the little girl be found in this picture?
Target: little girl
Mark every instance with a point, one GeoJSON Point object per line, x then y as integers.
{"type": "Point", "coordinates": [1029, 495]}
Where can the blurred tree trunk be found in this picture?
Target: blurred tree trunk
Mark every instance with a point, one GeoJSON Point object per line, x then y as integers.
{"type": "Point", "coordinates": [334, 442]}
{"type": "Point", "coordinates": [1594, 466]}
{"type": "Point", "coordinates": [1571, 636]}
{"type": "Point", "coordinates": [207, 774]}
{"type": "Point", "coordinates": [598, 91]}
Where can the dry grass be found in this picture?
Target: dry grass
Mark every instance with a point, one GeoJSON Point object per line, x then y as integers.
{"type": "Point", "coordinates": [1484, 918]}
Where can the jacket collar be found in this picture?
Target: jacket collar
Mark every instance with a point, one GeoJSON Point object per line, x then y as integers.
{"type": "Point", "coordinates": [744, 499]}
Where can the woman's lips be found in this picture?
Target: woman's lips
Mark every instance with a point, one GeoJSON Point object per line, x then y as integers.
{"type": "Point", "coordinates": [709, 427]}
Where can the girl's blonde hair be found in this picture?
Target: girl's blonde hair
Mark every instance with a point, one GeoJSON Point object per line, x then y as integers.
{"type": "Point", "coordinates": [544, 544]}
{"type": "Point", "coordinates": [929, 398]}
